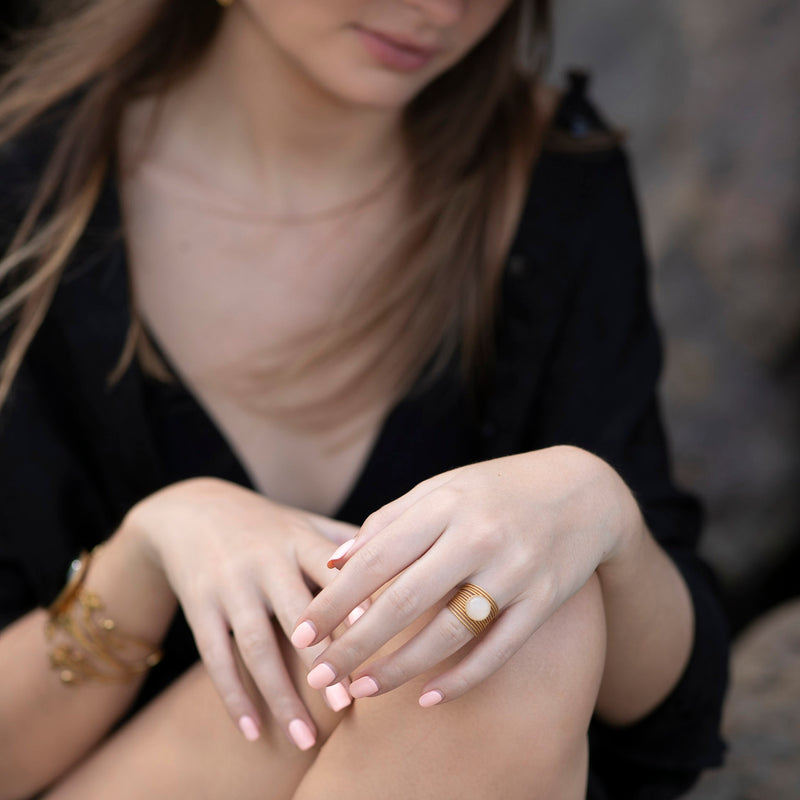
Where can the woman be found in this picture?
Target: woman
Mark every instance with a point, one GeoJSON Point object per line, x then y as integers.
{"type": "Point", "coordinates": [284, 275]}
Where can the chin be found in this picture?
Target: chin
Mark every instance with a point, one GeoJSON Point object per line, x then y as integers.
{"type": "Point", "coordinates": [378, 92]}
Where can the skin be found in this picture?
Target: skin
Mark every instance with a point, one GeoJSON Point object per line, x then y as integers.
{"type": "Point", "coordinates": [554, 535]}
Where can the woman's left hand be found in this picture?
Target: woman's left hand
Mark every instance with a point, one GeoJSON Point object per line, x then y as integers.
{"type": "Point", "coordinates": [529, 529]}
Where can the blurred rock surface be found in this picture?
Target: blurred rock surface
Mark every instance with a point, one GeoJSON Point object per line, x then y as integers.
{"type": "Point", "coordinates": [710, 96]}
{"type": "Point", "coordinates": [762, 720]}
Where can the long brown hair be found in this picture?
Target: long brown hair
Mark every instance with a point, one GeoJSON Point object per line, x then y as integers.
{"type": "Point", "coordinates": [466, 132]}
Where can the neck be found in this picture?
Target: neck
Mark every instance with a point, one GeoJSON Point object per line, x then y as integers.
{"type": "Point", "coordinates": [275, 134]}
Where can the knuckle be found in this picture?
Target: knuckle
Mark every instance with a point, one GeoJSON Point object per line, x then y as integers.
{"type": "Point", "coordinates": [500, 654]}
{"type": "Point", "coordinates": [214, 651]}
{"type": "Point", "coordinates": [233, 699]}
{"type": "Point", "coordinates": [374, 522]}
{"type": "Point", "coordinates": [484, 542]}
{"type": "Point", "coordinates": [548, 590]}
{"type": "Point", "coordinates": [449, 495]}
{"type": "Point", "coordinates": [390, 675]}
{"type": "Point", "coordinates": [518, 567]}
{"type": "Point", "coordinates": [453, 632]}
{"type": "Point", "coordinates": [371, 559]}
{"type": "Point", "coordinates": [252, 639]}
{"type": "Point", "coordinates": [322, 610]}
{"type": "Point", "coordinates": [404, 600]}
{"type": "Point", "coordinates": [348, 654]}
{"type": "Point", "coordinates": [282, 705]}
{"type": "Point", "coordinates": [457, 685]}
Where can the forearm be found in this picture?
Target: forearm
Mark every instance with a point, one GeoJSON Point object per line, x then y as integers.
{"type": "Point", "coordinates": [45, 726]}
{"type": "Point", "coordinates": [649, 620]}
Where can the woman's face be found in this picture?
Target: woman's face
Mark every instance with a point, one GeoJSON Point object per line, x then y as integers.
{"type": "Point", "coordinates": [378, 53]}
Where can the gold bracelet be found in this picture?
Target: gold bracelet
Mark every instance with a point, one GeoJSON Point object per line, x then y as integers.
{"type": "Point", "coordinates": [97, 652]}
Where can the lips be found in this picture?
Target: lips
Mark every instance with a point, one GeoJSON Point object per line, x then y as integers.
{"type": "Point", "coordinates": [395, 52]}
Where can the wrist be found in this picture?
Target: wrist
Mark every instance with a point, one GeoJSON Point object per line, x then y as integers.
{"type": "Point", "coordinates": [134, 549]}
{"type": "Point", "coordinates": [609, 508]}
{"type": "Point", "coordinates": [630, 533]}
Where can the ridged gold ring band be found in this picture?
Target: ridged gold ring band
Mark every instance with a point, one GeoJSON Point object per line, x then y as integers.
{"type": "Point", "coordinates": [474, 608]}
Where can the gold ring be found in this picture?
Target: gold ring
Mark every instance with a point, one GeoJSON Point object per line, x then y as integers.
{"type": "Point", "coordinates": [474, 608]}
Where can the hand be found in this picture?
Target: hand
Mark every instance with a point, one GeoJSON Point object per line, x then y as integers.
{"type": "Point", "coordinates": [233, 559]}
{"type": "Point", "coordinates": [529, 529]}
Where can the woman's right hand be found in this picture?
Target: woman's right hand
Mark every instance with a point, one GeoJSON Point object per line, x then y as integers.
{"type": "Point", "coordinates": [233, 559]}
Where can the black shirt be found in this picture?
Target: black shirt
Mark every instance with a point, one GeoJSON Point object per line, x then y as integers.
{"type": "Point", "coordinates": [577, 361]}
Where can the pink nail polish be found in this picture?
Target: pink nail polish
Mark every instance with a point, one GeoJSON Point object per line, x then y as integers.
{"type": "Point", "coordinates": [321, 676]}
{"type": "Point", "coordinates": [248, 727]}
{"type": "Point", "coordinates": [338, 697]}
{"type": "Point", "coordinates": [340, 552]}
{"type": "Point", "coordinates": [304, 634]}
{"type": "Point", "coordinates": [356, 614]}
{"type": "Point", "coordinates": [301, 734]}
{"type": "Point", "coordinates": [364, 687]}
{"type": "Point", "coordinates": [431, 698]}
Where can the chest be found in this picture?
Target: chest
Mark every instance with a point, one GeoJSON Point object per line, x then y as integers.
{"type": "Point", "coordinates": [227, 297]}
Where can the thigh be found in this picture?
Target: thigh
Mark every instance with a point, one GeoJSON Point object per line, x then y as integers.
{"type": "Point", "coordinates": [520, 734]}
{"type": "Point", "coordinates": [184, 745]}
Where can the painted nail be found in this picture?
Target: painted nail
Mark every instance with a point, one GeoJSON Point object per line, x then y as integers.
{"type": "Point", "coordinates": [301, 734]}
{"type": "Point", "coordinates": [431, 698]}
{"type": "Point", "coordinates": [247, 725]}
{"type": "Point", "coordinates": [340, 552]}
{"type": "Point", "coordinates": [364, 687]}
{"type": "Point", "coordinates": [304, 634]}
{"type": "Point", "coordinates": [321, 676]}
{"type": "Point", "coordinates": [356, 614]}
{"type": "Point", "coordinates": [338, 697]}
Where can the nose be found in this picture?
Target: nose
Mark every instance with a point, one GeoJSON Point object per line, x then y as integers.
{"type": "Point", "coordinates": [442, 13]}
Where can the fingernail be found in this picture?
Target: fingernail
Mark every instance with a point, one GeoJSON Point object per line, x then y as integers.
{"type": "Point", "coordinates": [340, 552]}
{"type": "Point", "coordinates": [364, 687]}
{"type": "Point", "coordinates": [431, 698]}
{"type": "Point", "coordinates": [321, 676]}
{"type": "Point", "coordinates": [338, 697]}
{"type": "Point", "coordinates": [247, 725]}
{"type": "Point", "coordinates": [356, 614]}
{"type": "Point", "coordinates": [301, 734]}
{"type": "Point", "coordinates": [304, 634]}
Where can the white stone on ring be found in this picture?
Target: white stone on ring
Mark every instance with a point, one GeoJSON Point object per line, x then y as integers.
{"type": "Point", "coordinates": [478, 608]}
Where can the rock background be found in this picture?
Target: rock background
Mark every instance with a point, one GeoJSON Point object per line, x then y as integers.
{"type": "Point", "coordinates": [710, 95]}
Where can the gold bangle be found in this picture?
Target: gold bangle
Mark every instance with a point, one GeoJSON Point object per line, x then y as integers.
{"type": "Point", "coordinates": [76, 575]}
{"type": "Point", "coordinates": [96, 652]}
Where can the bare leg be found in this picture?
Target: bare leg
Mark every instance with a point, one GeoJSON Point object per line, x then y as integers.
{"type": "Point", "coordinates": [184, 745]}
{"type": "Point", "coordinates": [521, 734]}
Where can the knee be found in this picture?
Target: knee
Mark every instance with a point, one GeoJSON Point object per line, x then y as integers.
{"type": "Point", "coordinates": [519, 734]}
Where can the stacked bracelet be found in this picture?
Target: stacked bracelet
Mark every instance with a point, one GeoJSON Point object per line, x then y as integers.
{"type": "Point", "coordinates": [95, 651]}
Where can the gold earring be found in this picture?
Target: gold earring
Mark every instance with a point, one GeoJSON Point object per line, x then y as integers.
{"type": "Point", "coordinates": [225, 3]}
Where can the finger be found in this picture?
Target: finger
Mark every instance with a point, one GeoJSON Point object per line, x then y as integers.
{"type": "Point", "coordinates": [313, 555]}
{"type": "Point", "coordinates": [315, 561]}
{"type": "Point", "coordinates": [504, 637]}
{"type": "Point", "coordinates": [290, 595]}
{"type": "Point", "coordinates": [418, 589]}
{"type": "Point", "coordinates": [264, 662]}
{"type": "Point", "coordinates": [385, 516]}
{"type": "Point", "coordinates": [378, 561]}
{"type": "Point", "coordinates": [358, 612]}
{"type": "Point", "coordinates": [214, 645]}
{"type": "Point", "coordinates": [439, 639]}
